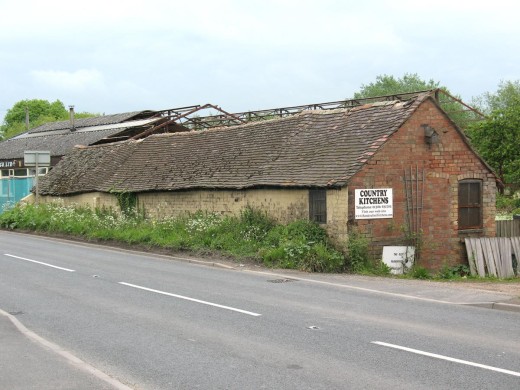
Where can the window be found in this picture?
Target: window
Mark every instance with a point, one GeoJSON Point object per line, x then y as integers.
{"type": "Point", "coordinates": [20, 172]}
{"type": "Point", "coordinates": [318, 206]}
{"type": "Point", "coordinates": [470, 204]}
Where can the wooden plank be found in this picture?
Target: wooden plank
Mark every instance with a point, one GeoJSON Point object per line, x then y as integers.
{"type": "Point", "coordinates": [471, 256]}
{"type": "Point", "coordinates": [495, 247]}
{"type": "Point", "coordinates": [515, 242]}
{"type": "Point", "coordinates": [506, 257]}
{"type": "Point", "coordinates": [479, 258]}
{"type": "Point", "coordinates": [489, 256]}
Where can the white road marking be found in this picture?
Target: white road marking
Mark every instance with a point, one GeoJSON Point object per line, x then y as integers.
{"type": "Point", "coordinates": [72, 359]}
{"type": "Point", "coordinates": [450, 359]}
{"type": "Point", "coordinates": [39, 262]}
{"type": "Point", "coordinates": [191, 299]}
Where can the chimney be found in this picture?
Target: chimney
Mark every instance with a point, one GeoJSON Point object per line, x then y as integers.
{"type": "Point", "coordinates": [72, 126]}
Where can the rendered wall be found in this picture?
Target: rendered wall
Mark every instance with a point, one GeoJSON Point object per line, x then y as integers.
{"type": "Point", "coordinates": [283, 205]}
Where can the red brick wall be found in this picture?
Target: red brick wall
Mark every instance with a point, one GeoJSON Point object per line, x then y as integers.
{"type": "Point", "coordinates": [444, 164]}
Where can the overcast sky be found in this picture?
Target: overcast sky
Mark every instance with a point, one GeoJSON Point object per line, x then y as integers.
{"type": "Point", "coordinates": [118, 56]}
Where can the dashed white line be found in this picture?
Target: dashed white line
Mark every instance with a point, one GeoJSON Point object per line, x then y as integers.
{"type": "Point", "coordinates": [40, 262]}
{"type": "Point", "coordinates": [447, 358]}
{"type": "Point", "coordinates": [191, 299]}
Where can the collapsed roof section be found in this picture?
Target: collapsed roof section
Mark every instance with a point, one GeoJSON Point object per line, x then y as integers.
{"type": "Point", "coordinates": [315, 148]}
{"type": "Point", "coordinates": [61, 137]}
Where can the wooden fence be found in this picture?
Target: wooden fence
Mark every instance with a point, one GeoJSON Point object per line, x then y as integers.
{"type": "Point", "coordinates": [494, 256]}
{"type": "Point", "coordinates": [509, 228]}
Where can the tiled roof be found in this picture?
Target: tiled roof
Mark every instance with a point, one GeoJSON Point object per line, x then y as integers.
{"type": "Point", "coordinates": [310, 149]}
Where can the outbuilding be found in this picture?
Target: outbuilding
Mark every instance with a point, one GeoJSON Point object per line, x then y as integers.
{"type": "Point", "coordinates": [398, 172]}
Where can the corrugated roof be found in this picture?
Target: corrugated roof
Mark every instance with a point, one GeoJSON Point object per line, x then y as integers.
{"type": "Point", "coordinates": [313, 148]}
{"type": "Point", "coordinates": [59, 142]}
{"type": "Point", "coordinates": [88, 122]}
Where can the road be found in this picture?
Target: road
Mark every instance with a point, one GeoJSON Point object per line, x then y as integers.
{"type": "Point", "coordinates": [156, 323]}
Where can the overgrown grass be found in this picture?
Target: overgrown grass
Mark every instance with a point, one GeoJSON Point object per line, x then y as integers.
{"type": "Point", "coordinates": [300, 245]}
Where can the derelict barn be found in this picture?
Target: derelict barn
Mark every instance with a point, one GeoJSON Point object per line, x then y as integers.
{"type": "Point", "coordinates": [59, 138]}
{"type": "Point", "coordinates": [395, 171]}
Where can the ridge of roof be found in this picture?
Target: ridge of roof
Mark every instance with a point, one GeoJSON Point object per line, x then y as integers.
{"type": "Point", "coordinates": [312, 149]}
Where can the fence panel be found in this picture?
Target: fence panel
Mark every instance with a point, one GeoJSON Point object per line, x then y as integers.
{"type": "Point", "coordinates": [509, 228]}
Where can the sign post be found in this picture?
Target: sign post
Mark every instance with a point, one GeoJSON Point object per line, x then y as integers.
{"type": "Point", "coordinates": [37, 159]}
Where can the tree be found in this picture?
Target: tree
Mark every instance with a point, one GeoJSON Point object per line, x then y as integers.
{"type": "Point", "coordinates": [40, 112]}
{"type": "Point", "coordinates": [497, 139]}
{"type": "Point", "coordinates": [411, 82]}
{"type": "Point", "coordinates": [389, 85]}
{"type": "Point", "coordinates": [507, 94]}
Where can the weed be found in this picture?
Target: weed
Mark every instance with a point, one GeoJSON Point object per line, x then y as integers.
{"type": "Point", "coordinates": [454, 272]}
{"type": "Point", "coordinates": [419, 272]}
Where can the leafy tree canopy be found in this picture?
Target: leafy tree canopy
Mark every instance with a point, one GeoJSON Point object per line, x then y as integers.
{"type": "Point", "coordinates": [389, 85]}
{"type": "Point", "coordinates": [497, 137]}
{"type": "Point", "coordinates": [40, 112]}
{"type": "Point", "coordinates": [507, 94]}
{"type": "Point", "coordinates": [411, 82]}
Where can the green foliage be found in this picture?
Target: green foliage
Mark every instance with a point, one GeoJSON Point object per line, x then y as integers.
{"type": "Point", "coordinates": [40, 112]}
{"type": "Point", "coordinates": [411, 82]}
{"type": "Point", "coordinates": [507, 95]}
{"type": "Point", "coordinates": [301, 245]}
{"type": "Point", "coordinates": [419, 272]}
{"type": "Point", "coordinates": [389, 85]}
{"type": "Point", "coordinates": [496, 139]}
{"type": "Point", "coordinates": [358, 258]}
{"type": "Point", "coordinates": [508, 204]}
{"type": "Point", "coordinates": [454, 272]}
{"type": "Point", "coordinates": [127, 202]}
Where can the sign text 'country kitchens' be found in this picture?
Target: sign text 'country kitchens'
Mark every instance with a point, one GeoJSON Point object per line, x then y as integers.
{"type": "Point", "coordinates": [374, 203]}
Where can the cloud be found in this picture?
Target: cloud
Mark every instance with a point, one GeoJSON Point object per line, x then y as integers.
{"type": "Point", "coordinates": [79, 80]}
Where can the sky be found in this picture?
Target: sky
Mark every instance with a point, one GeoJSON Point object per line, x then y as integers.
{"type": "Point", "coordinates": [110, 57]}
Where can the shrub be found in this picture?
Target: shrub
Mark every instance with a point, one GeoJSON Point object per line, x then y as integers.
{"type": "Point", "coordinates": [358, 258]}
{"type": "Point", "coordinates": [457, 271]}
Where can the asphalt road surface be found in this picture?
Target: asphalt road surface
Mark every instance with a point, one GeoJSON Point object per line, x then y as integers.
{"type": "Point", "coordinates": [156, 323]}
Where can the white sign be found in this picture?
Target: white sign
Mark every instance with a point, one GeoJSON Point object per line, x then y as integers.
{"type": "Point", "coordinates": [33, 158]}
{"type": "Point", "coordinates": [398, 257]}
{"type": "Point", "coordinates": [374, 203]}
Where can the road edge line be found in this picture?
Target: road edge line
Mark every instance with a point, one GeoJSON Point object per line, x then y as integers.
{"type": "Point", "coordinates": [69, 357]}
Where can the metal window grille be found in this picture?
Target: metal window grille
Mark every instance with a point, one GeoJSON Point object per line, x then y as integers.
{"type": "Point", "coordinates": [318, 205]}
{"type": "Point", "coordinates": [470, 204]}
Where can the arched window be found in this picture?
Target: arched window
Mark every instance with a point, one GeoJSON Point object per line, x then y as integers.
{"type": "Point", "coordinates": [470, 204]}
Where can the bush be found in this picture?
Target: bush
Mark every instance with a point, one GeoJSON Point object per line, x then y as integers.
{"type": "Point", "coordinates": [454, 272]}
{"type": "Point", "coordinates": [358, 258]}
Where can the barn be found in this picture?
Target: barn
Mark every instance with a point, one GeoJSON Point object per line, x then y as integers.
{"type": "Point", "coordinates": [399, 172]}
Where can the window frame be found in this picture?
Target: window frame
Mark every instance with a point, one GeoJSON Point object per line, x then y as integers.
{"type": "Point", "coordinates": [318, 205]}
{"type": "Point", "coordinates": [465, 207]}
